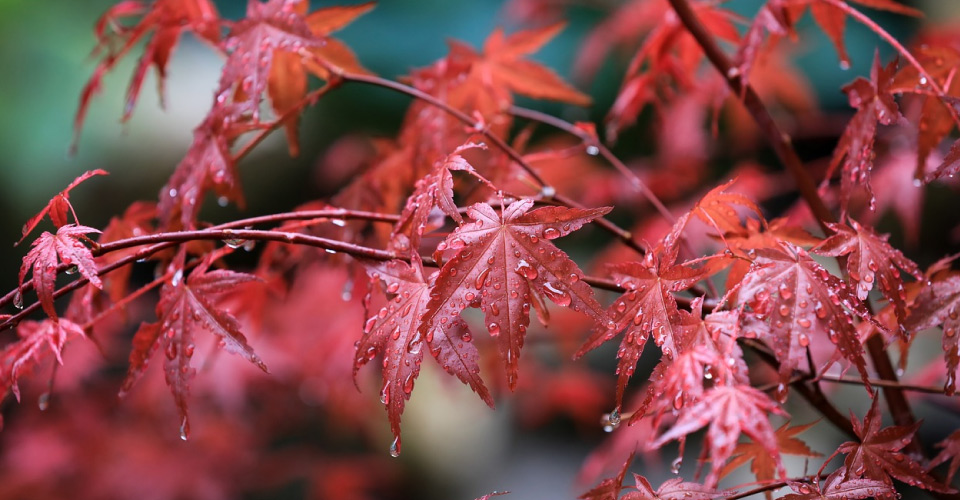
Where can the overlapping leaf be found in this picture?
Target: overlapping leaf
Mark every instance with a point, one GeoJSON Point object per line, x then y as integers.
{"type": "Point", "coordinates": [254, 41]}
{"type": "Point", "coordinates": [939, 304]}
{"type": "Point", "coordinates": [58, 205]}
{"type": "Point", "coordinates": [167, 19]}
{"type": "Point", "coordinates": [855, 152]}
{"type": "Point", "coordinates": [838, 486]}
{"type": "Point", "coordinates": [797, 302]}
{"type": "Point", "coordinates": [730, 410]}
{"type": "Point", "coordinates": [38, 339]}
{"type": "Point", "coordinates": [501, 261]}
{"type": "Point", "coordinates": [761, 463]}
{"type": "Point", "coordinates": [647, 308]}
{"type": "Point", "coordinates": [871, 260]}
{"type": "Point", "coordinates": [951, 452]}
{"type": "Point", "coordinates": [48, 251]}
{"type": "Point", "coordinates": [394, 332]}
{"type": "Point", "coordinates": [188, 306]}
{"type": "Point", "coordinates": [877, 456]}
{"type": "Point", "coordinates": [287, 80]}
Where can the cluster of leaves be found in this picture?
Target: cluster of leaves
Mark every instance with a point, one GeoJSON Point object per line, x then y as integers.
{"type": "Point", "coordinates": [457, 212]}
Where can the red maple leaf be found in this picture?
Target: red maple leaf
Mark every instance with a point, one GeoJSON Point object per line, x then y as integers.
{"type": "Point", "coordinates": [939, 304]}
{"type": "Point", "coordinates": [951, 452]}
{"type": "Point", "coordinates": [832, 19]}
{"type": "Point", "coordinates": [877, 456]}
{"type": "Point", "coordinates": [838, 487]}
{"type": "Point", "coordinates": [58, 205]}
{"type": "Point", "coordinates": [871, 260]}
{"type": "Point", "coordinates": [730, 411]}
{"type": "Point", "coordinates": [395, 332]}
{"type": "Point", "coordinates": [672, 489]}
{"type": "Point", "coordinates": [187, 306]}
{"type": "Point", "coordinates": [66, 247]}
{"type": "Point", "coordinates": [38, 339]}
{"type": "Point", "coordinates": [761, 463]}
{"type": "Point", "coordinates": [855, 152]}
{"type": "Point", "coordinates": [434, 190]}
{"type": "Point", "coordinates": [501, 261]}
{"type": "Point", "coordinates": [646, 308]}
{"type": "Point", "coordinates": [795, 299]}
{"type": "Point", "coordinates": [287, 80]}
{"type": "Point", "coordinates": [254, 41]}
{"type": "Point", "coordinates": [501, 69]}
{"type": "Point", "coordinates": [207, 165]}
{"type": "Point", "coordinates": [168, 19]}
{"type": "Point", "coordinates": [609, 488]}
{"type": "Point", "coordinates": [930, 113]}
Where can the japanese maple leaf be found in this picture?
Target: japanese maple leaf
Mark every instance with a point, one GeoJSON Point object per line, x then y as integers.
{"type": "Point", "coordinates": [49, 249]}
{"type": "Point", "coordinates": [877, 456]}
{"type": "Point", "coordinates": [951, 452]}
{"type": "Point", "coordinates": [672, 489]}
{"type": "Point", "coordinates": [501, 260]}
{"type": "Point", "coordinates": [395, 332]}
{"type": "Point", "coordinates": [930, 113]}
{"type": "Point", "coordinates": [167, 19]}
{"type": "Point", "coordinates": [186, 307]}
{"type": "Point", "coordinates": [796, 299]}
{"type": "Point", "coordinates": [718, 209]}
{"type": "Point", "coordinates": [609, 488]}
{"type": "Point", "coordinates": [287, 80]}
{"type": "Point", "coordinates": [855, 152]}
{"type": "Point", "coordinates": [730, 411]}
{"type": "Point", "coordinates": [832, 19]}
{"type": "Point", "coordinates": [501, 67]}
{"type": "Point", "coordinates": [253, 42]}
{"type": "Point", "coordinates": [761, 463]}
{"type": "Point", "coordinates": [434, 190]}
{"type": "Point", "coordinates": [647, 308]}
{"type": "Point", "coordinates": [838, 486]}
{"type": "Point", "coordinates": [208, 165]}
{"type": "Point", "coordinates": [871, 259]}
{"type": "Point", "coordinates": [939, 304]}
{"type": "Point", "coordinates": [58, 205]}
{"type": "Point", "coordinates": [38, 339]}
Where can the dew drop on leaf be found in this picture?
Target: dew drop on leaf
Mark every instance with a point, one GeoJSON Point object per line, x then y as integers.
{"type": "Point", "coordinates": [551, 233]}
{"type": "Point", "coordinates": [43, 402]}
{"type": "Point", "coordinates": [676, 464]}
{"type": "Point", "coordinates": [18, 300]}
{"type": "Point", "coordinates": [184, 429]}
{"type": "Point", "coordinates": [395, 448]}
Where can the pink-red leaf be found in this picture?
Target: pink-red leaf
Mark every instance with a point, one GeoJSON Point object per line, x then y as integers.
{"type": "Point", "coordinates": [66, 247]}
{"type": "Point", "coordinates": [729, 411]}
{"type": "Point", "coordinates": [501, 260]}
{"type": "Point", "coordinates": [394, 332]}
{"type": "Point", "coordinates": [871, 260]}
{"type": "Point", "coordinates": [38, 339]}
{"type": "Point", "coordinates": [796, 302]}
{"type": "Point", "coordinates": [187, 306]}
{"type": "Point", "coordinates": [877, 456]}
{"type": "Point", "coordinates": [57, 207]}
{"type": "Point", "coordinates": [939, 304]}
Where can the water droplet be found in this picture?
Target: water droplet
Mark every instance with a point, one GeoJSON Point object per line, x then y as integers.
{"type": "Point", "coordinates": [18, 299]}
{"type": "Point", "coordinates": [844, 65]}
{"type": "Point", "coordinates": [481, 278]}
{"type": "Point", "coordinates": [172, 192]}
{"type": "Point", "coordinates": [43, 402]}
{"type": "Point", "coordinates": [177, 277]}
{"type": "Point", "coordinates": [560, 297]}
{"type": "Point", "coordinates": [593, 150]}
{"type": "Point", "coordinates": [676, 464]}
{"type": "Point", "coordinates": [548, 192]}
{"type": "Point", "coordinates": [917, 183]}
{"type": "Point", "coordinates": [494, 329]}
{"type": "Point", "coordinates": [551, 233]}
{"type": "Point", "coordinates": [395, 447]}
{"type": "Point", "coordinates": [71, 270]}
{"type": "Point", "coordinates": [184, 429]}
{"type": "Point", "coordinates": [526, 270]}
